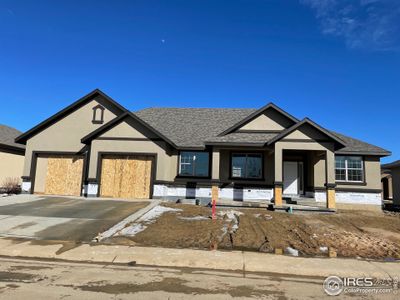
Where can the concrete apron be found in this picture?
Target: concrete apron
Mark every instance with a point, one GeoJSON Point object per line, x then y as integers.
{"type": "Point", "coordinates": [201, 259]}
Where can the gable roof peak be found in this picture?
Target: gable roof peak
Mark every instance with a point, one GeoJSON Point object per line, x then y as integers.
{"type": "Point", "coordinates": [258, 112]}
{"type": "Point", "coordinates": [66, 111]}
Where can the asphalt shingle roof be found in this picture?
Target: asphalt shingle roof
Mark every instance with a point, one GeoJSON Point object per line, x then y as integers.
{"type": "Point", "coordinates": [191, 127]}
{"type": "Point", "coordinates": [8, 135]}
{"type": "Point", "coordinates": [194, 127]}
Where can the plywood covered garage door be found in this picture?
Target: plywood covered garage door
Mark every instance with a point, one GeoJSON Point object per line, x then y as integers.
{"type": "Point", "coordinates": [64, 175]}
{"type": "Point", "coordinates": [126, 176]}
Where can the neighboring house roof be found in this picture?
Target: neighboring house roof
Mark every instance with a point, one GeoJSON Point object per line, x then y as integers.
{"type": "Point", "coordinates": [74, 106]}
{"type": "Point", "coordinates": [7, 137]}
{"type": "Point", "coordinates": [391, 165]}
{"type": "Point", "coordinates": [196, 127]}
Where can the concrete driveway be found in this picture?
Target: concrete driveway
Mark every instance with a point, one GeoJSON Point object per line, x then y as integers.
{"type": "Point", "coordinates": [61, 218]}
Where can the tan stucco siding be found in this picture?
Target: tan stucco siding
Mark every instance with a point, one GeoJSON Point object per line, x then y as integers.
{"type": "Point", "coordinates": [269, 120]}
{"type": "Point", "coordinates": [166, 162]}
{"type": "Point", "coordinates": [147, 142]}
{"type": "Point", "coordinates": [396, 185]}
{"type": "Point", "coordinates": [11, 166]}
{"type": "Point", "coordinates": [40, 176]}
{"type": "Point", "coordinates": [128, 129]}
{"type": "Point", "coordinates": [371, 173]}
{"type": "Point", "coordinates": [65, 135]}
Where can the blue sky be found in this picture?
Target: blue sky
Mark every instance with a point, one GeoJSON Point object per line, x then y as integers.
{"type": "Point", "coordinates": [335, 61]}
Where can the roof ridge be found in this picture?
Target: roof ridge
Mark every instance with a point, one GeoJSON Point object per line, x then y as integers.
{"type": "Point", "coordinates": [212, 108]}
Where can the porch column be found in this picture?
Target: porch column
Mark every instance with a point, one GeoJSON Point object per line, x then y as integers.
{"type": "Point", "coordinates": [215, 174]}
{"type": "Point", "coordinates": [278, 182]}
{"type": "Point", "coordinates": [330, 179]}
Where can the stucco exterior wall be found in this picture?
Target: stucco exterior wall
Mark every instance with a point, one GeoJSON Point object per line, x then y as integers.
{"type": "Point", "coordinates": [372, 175]}
{"type": "Point", "coordinates": [166, 162]}
{"type": "Point", "coordinates": [40, 176]}
{"type": "Point", "coordinates": [11, 166]}
{"type": "Point", "coordinates": [66, 134]}
{"type": "Point", "coordinates": [269, 120]}
{"type": "Point", "coordinates": [131, 137]}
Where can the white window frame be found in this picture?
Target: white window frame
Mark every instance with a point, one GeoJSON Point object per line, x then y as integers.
{"type": "Point", "coordinates": [346, 168]}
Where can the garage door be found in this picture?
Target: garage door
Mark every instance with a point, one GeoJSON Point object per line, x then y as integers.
{"type": "Point", "coordinates": [64, 175]}
{"type": "Point", "coordinates": [126, 176]}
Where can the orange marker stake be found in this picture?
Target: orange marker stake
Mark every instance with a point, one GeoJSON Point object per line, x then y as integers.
{"type": "Point", "coordinates": [214, 208]}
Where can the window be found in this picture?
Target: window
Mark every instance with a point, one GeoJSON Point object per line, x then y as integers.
{"type": "Point", "coordinates": [195, 164]}
{"type": "Point", "coordinates": [98, 114]}
{"type": "Point", "coordinates": [349, 168]}
{"type": "Point", "coordinates": [247, 165]}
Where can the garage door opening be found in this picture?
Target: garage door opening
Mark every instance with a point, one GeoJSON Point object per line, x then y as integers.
{"type": "Point", "coordinates": [126, 176]}
{"type": "Point", "coordinates": [59, 175]}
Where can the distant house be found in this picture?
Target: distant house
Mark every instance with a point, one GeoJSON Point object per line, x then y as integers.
{"type": "Point", "coordinates": [391, 181]}
{"type": "Point", "coordinates": [97, 148]}
{"type": "Point", "coordinates": [12, 155]}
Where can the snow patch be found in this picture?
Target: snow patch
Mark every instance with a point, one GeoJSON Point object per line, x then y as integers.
{"type": "Point", "coordinates": [291, 251]}
{"type": "Point", "coordinates": [323, 249]}
{"type": "Point", "coordinates": [144, 220]}
{"type": "Point", "coordinates": [195, 218]}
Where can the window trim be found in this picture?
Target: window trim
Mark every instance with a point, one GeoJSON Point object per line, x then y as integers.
{"type": "Point", "coordinates": [194, 176]}
{"type": "Point", "coordinates": [262, 178]}
{"type": "Point", "coordinates": [352, 182]}
{"type": "Point", "coordinates": [95, 110]}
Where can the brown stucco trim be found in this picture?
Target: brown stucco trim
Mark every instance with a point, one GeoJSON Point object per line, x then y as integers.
{"type": "Point", "coordinates": [95, 109]}
{"type": "Point", "coordinates": [66, 111]}
{"type": "Point", "coordinates": [128, 139]}
{"type": "Point", "coordinates": [36, 154]}
{"type": "Point", "coordinates": [230, 144]}
{"type": "Point", "coordinates": [153, 167]}
{"type": "Point", "coordinates": [258, 131]}
{"type": "Point", "coordinates": [12, 149]}
{"type": "Point", "coordinates": [381, 154]}
{"type": "Point", "coordinates": [356, 190]}
{"type": "Point", "coordinates": [256, 114]}
{"type": "Point", "coordinates": [183, 182]}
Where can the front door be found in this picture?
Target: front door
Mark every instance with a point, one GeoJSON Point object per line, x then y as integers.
{"type": "Point", "coordinates": [290, 178]}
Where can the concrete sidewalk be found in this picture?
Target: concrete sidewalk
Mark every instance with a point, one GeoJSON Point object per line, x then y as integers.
{"type": "Point", "coordinates": [216, 260]}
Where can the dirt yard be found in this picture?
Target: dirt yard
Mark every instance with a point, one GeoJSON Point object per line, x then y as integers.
{"type": "Point", "coordinates": [351, 233]}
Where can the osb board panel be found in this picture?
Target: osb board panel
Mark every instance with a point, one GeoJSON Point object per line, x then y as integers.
{"type": "Point", "coordinates": [126, 177]}
{"type": "Point", "coordinates": [64, 176]}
